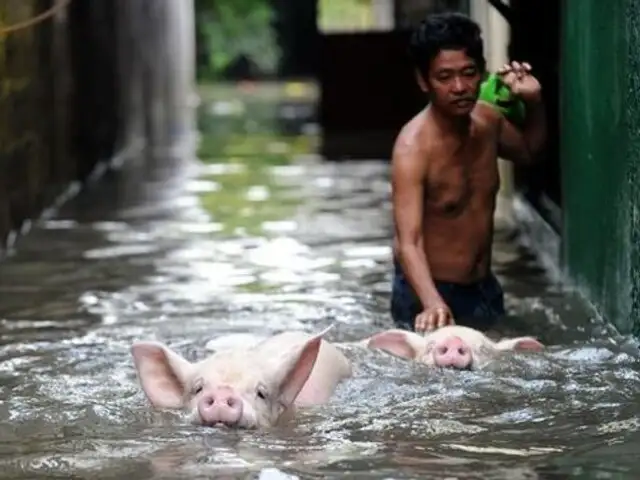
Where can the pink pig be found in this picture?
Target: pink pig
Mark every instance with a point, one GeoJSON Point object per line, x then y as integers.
{"type": "Point", "coordinates": [451, 346]}
{"type": "Point", "coordinates": [248, 387]}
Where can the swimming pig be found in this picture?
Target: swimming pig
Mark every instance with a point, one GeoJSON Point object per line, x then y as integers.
{"type": "Point", "coordinates": [450, 346]}
{"type": "Point", "coordinates": [251, 386]}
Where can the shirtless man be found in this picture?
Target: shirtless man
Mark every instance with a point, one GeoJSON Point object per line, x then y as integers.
{"type": "Point", "coordinates": [445, 179]}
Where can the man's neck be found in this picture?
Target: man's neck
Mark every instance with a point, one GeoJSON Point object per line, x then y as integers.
{"type": "Point", "coordinates": [448, 125]}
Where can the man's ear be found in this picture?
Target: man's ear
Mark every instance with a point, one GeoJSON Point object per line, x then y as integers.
{"type": "Point", "coordinates": [421, 81]}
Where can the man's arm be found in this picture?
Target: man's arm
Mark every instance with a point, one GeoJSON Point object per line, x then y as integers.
{"type": "Point", "coordinates": [523, 146]}
{"type": "Point", "coordinates": [407, 186]}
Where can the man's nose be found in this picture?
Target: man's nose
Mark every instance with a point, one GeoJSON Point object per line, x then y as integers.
{"type": "Point", "coordinates": [458, 85]}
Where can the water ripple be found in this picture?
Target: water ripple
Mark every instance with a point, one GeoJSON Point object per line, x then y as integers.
{"type": "Point", "coordinates": [254, 239]}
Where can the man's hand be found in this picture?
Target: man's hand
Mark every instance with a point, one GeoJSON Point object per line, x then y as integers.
{"type": "Point", "coordinates": [518, 78]}
{"type": "Point", "coordinates": [435, 316]}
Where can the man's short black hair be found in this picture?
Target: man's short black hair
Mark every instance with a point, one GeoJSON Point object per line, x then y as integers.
{"type": "Point", "coordinates": [445, 31]}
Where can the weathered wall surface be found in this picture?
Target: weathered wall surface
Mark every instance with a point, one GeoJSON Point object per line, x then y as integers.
{"type": "Point", "coordinates": [35, 113]}
{"type": "Point", "coordinates": [600, 151]}
{"type": "Point", "coordinates": [92, 82]}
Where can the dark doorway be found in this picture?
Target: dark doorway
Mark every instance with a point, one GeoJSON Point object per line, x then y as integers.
{"type": "Point", "coordinates": [535, 37]}
{"type": "Point", "coordinates": [368, 86]}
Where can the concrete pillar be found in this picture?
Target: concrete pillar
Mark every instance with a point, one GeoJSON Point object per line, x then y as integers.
{"type": "Point", "coordinates": [156, 46]}
{"type": "Point", "coordinates": [130, 78]}
{"type": "Point", "coordinates": [496, 33]}
{"type": "Point", "coordinates": [179, 41]}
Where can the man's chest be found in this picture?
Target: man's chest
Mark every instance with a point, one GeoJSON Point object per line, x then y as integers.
{"type": "Point", "coordinates": [466, 177]}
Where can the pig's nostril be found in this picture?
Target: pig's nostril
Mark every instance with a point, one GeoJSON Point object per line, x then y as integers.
{"type": "Point", "coordinates": [232, 402]}
{"type": "Point", "coordinates": [462, 351]}
{"type": "Point", "coordinates": [443, 350]}
{"type": "Point", "coordinates": [209, 401]}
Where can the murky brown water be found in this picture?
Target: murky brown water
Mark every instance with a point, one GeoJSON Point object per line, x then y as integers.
{"type": "Point", "coordinates": [259, 236]}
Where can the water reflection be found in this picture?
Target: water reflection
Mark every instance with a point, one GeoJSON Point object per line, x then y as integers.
{"type": "Point", "coordinates": [257, 236]}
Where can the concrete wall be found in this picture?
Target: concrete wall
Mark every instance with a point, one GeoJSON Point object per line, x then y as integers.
{"type": "Point", "coordinates": [88, 88]}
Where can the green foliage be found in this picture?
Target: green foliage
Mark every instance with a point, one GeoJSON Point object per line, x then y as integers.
{"type": "Point", "coordinates": [230, 28]}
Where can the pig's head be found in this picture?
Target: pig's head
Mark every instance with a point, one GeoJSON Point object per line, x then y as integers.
{"type": "Point", "coordinates": [236, 388]}
{"type": "Point", "coordinates": [452, 346]}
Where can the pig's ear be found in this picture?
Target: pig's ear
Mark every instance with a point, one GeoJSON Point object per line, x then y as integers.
{"type": "Point", "coordinates": [396, 342]}
{"type": "Point", "coordinates": [520, 344]}
{"type": "Point", "coordinates": [162, 373]}
{"type": "Point", "coordinates": [296, 368]}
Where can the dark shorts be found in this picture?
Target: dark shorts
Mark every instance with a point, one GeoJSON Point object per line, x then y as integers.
{"type": "Point", "coordinates": [476, 305]}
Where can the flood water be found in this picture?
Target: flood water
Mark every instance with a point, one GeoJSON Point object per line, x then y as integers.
{"type": "Point", "coordinates": [258, 235]}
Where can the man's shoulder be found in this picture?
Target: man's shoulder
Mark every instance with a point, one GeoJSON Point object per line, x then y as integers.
{"type": "Point", "coordinates": [411, 139]}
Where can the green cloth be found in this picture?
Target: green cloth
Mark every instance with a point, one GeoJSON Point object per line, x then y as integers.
{"type": "Point", "coordinates": [495, 92]}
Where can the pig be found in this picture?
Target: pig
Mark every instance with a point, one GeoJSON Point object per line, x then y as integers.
{"type": "Point", "coordinates": [252, 386]}
{"type": "Point", "coordinates": [452, 346]}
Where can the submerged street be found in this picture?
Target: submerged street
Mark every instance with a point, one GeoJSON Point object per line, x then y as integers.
{"type": "Point", "coordinates": [258, 235]}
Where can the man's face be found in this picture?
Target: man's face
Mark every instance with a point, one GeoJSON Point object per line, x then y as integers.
{"type": "Point", "coordinates": [453, 82]}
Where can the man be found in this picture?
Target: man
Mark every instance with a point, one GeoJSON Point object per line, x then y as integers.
{"type": "Point", "coordinates": [445, 178]}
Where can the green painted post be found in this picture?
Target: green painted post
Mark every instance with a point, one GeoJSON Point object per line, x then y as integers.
{"type": "Point", "coordinates": [600, 146]}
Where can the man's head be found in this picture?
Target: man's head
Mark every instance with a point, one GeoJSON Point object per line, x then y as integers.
{"type": "Point", "coordinates": [447, 52]}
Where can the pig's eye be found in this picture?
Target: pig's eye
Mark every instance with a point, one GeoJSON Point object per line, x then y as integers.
{"type": "Point", "coordinates": [261, 393]}
{"type": "Point", "coordinates": [197, 388]}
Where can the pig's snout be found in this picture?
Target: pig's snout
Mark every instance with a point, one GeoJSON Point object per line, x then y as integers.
{"type": "Point", "coordinates": [220, 405]}
{"type": "Point", "coordinates": [452, 352]}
